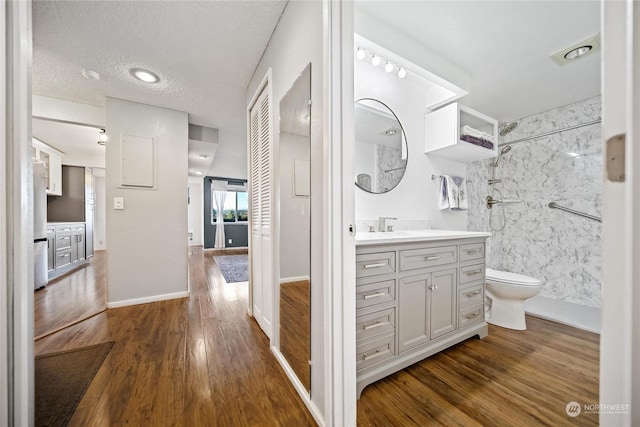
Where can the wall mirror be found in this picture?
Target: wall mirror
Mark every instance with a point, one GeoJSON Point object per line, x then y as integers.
{"type": "Point", "coordinates": [295, 227]}
{"type": "Point", "coordinates": [380, 147]}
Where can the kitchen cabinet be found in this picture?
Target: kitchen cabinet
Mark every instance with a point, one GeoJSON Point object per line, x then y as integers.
{"type": "Point", "coordinates": [76, 205]}
{"type": "Point", "coordinates": [415, 298]}
{"type": "Point", "coordinates": [52, 160]}
{"type": "Point", "coordinates": [445, 129]}
{"type": "Point", "coordinates": [67, 249]}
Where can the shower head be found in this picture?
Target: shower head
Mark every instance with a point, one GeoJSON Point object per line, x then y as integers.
{"type": "Point", "coordinates": [504, 151]}
{"type": "Point", "coordinates": [508, 128]}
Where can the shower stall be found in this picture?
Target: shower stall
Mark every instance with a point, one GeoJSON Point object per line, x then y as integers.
{"type": "Point", "coordinates": [551, 163]}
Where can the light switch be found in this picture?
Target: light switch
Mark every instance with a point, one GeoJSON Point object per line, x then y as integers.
{"type": "Point", "coordinates": [118, 203]}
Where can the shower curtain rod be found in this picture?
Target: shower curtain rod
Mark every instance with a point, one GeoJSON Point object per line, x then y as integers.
{"type": "Point", "coordinates": [593, 122]}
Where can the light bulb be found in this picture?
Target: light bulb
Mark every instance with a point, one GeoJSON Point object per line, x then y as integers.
{"type": "Point", "coordinates": [360, 54]}
{"type": "Point", "coordinates": [375, 61]}
{"type": "Point", "coordinates": [402, 73]}
{"type": "Point", "coordinates": [388, 67]}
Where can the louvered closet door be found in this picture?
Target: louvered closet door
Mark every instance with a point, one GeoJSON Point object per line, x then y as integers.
{"type": "Point", "coordinates": [261, 195]}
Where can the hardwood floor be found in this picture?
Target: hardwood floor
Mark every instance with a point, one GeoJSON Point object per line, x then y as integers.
{"type": "Point", "coordinates": [295, 328]}
{"type": "Point", "coordinates": [203, 361]}
{"type": "Point", "coordinates": [72, 297]}
{"type": "Point", "coordinates": [510, 378]}
{"type": "Point", "coordinates": [193, 361]}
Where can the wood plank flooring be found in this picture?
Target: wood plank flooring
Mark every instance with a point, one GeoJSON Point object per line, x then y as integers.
{"type": "Point", "coordinates": [72, 297]}
{"type": "Point", "coordinates": [510, 378]}
{"type": "Point", "coordinates": [295, 328]}
{"type": "Point", "coordinates": [194, 361]}
{"type": "Point", "coordinates": [203, 361]}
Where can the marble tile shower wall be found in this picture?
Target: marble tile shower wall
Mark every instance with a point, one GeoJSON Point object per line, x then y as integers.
{"type": "Point", "coordinates": [559, 248]}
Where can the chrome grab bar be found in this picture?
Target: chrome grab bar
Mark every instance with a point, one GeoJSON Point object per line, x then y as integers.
{"type": "Point", "coordinates": [554, 205]}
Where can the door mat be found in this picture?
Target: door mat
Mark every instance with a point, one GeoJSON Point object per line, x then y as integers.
{"type": "Point", "coordinates": [61, 379]}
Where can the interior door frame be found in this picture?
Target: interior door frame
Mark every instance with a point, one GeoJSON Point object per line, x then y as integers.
{"type": "Point", "coordinates": [16, 217]}
{"type": "Point", "coordinates": [620, 336]}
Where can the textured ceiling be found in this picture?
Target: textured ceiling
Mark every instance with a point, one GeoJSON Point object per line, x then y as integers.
{"type": "Point", "coordinates": [504, 46]}
{"type": "Point", "coordinates": [205, 53]}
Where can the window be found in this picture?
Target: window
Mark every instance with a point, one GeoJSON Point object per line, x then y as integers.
{"type": "Point", "coordinates": [236, 207]}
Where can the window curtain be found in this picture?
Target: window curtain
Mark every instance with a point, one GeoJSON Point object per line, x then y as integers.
{"type": "Point", "coordinates": [219, 196]}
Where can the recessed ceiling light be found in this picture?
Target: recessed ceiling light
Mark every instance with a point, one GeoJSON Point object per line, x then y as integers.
{"type": "Point", "coordinates": [198, 173]}
{"type": "Point", "coordinates": [144, 75]}
{"type": "Point", "coordinates": [577, 52]}
{"type": "Point", "coordinates": [90, 74]}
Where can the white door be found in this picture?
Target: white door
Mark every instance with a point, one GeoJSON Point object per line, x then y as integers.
{"type": "Point", "coordinates": [620, 337]}
{"type": "Point", "coordinates": [261, 139]}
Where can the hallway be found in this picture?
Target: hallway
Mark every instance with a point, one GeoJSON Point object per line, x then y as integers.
{"type": "Point", "coordinates": [193, 361]}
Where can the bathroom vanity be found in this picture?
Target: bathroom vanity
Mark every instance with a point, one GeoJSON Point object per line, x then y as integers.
{"type": "Point", "coordinates": [417, 293]}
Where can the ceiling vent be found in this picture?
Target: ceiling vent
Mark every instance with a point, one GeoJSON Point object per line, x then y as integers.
{"type": "Point", "coordinates": [576, 51]}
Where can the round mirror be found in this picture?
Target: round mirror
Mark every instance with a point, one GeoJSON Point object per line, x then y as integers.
{"type": "Point", "coordinates": [380, 147]}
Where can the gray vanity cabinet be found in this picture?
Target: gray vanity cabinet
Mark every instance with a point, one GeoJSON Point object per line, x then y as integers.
{"type": "Point", "coordinates": [415, 299]}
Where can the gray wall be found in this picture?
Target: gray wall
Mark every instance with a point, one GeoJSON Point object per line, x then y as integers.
{"type": "Point", "coordinates": [238, 233]}
{"type": "Point", "coordinates": [69, 207]}
{"type": "Point", "coordinates": [148, 239]}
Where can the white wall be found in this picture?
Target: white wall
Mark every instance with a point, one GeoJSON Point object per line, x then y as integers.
{"type": "Point", "coordinates": [147, 240]}
{"type": "Point", "coordinates": [298, 40]}
{"type": "Point", "coordinates": [195, 221]}
{"type": "Point", "coordinates": [100, 219]}
{"type": "Point", "coordinates": [295, 218]}
{"type": "Point", "coordinates": [416, 197]}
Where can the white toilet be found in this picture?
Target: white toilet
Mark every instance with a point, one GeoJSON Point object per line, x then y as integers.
{"type": "Point", "coordinates": [505, 294]}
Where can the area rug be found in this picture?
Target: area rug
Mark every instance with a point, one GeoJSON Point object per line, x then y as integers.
{"type": "Point", "coordinates": [61, 379]}
{"type": "Point", "coordinates": [234, 268]}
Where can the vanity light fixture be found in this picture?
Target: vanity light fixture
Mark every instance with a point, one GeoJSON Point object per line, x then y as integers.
{"type": "Point", "coordinates": [376, 60]}
{"type": "Point", "coordinates": [144, 75]}
{"type": "Point", "coordinates": [388, 67]}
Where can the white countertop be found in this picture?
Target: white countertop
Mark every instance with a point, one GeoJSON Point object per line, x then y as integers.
{"type": "Point", "coordinates": [408, 236]}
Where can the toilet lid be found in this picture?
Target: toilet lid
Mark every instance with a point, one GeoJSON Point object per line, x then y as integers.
{"type": "Point", "coordinates": [507, 277]}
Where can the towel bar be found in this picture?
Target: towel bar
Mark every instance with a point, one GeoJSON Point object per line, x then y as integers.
{"type": "Point", "coordinates": [554, 205]}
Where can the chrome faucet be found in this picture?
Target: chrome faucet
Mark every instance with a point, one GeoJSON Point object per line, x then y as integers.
{"type": "Point", "coordinates": [382, 222]}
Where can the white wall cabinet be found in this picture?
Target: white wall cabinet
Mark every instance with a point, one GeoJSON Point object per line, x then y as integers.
{"type": "Point", "coordinates": [52, 160]}
{"type": "Point", "coordinates": [443, 132]}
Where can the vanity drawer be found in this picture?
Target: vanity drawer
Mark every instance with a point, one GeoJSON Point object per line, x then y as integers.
{"type": "Point", "coordinates": [471, 251]}
{"type": "Point", "coordinates": [471, 296]}
{"type": "Point", "coordinates": [375, 351]}
{"type": "Point", "coordinates": [471, 316]}
{"type": "Point", "coordinates": [471, 273]}
{"type": "Point", "coordinates": [378, 322]}
{"type": "Point", "coordinates": [374, 264]}
{"type": "Point", "coordinates": [428, 257]}
{"type": "Point", "coordinates": [368, 294]}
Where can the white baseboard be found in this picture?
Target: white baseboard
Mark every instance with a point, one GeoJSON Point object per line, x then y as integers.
{"type": "Point", "coordinates": [297, 384]}
{"type": "Point", "coordinates": [294, 279]}
{"type": "Point", "coordinates": [578, 316]}
{"type": "Point", "coordinates": [147, 300]}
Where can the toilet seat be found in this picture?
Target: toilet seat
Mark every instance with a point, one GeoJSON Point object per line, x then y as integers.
{"type": "Point", "coordinates": [510, 278]}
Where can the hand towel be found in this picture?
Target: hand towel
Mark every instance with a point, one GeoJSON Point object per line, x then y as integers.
{"type": "Point", "coordinates": [453, 193]}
